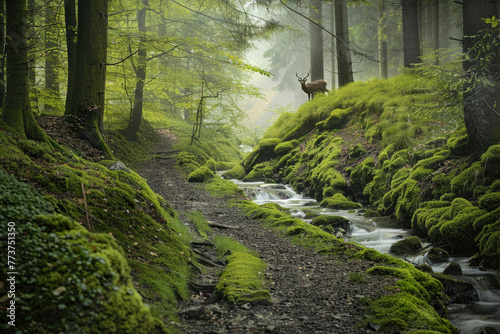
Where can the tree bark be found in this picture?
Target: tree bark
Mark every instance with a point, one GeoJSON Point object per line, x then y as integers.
{"type": "Point", "coordinates": [51, 60]}
{"type": "Point", "coordinates": [411, 42]}
{"type": "Point", "coordinates": [33, 40]}
{"type": "Point", "coordinates": [17, 109]}
{"type": "Point", "coordinates": [435, 29]}
{"type": "Point", "coordinates": [316, 40]}
{"type": "Point", "coordinates": [87, 98]}
{"type": "Point", "coordinates": [344, 62]}
{"type": "Point", "coordinates": [136, 112]}
{"type": "Point", "coordinates": [481, 104]}
{"type": "Point", "coordinates": [333, 45]}
{"type": "Point", "coordinates": [382, 39]}
{"type": "Point", "coordinates": [70, 23]}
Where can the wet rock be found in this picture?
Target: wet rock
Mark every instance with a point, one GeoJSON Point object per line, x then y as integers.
{"type": "Point", "coordinates": [453, 269]}
{"type": "Point", "coordinates": [119, 166]}
{"type": "Point", "coordinates": [437, 254]}
{"type": "Point", "coordinates": [196, 312]}
{"type": "Point", "coordinates": [489, 330]}
{"type": "Point", "coordinates": [460, 292]}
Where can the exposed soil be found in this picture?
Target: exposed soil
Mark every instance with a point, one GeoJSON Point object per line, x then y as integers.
{"type": "Point", "coordinates": [311, 293]}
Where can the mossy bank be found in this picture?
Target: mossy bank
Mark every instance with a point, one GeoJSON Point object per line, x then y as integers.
{"type": "Point", "coordinates": [88, 239]}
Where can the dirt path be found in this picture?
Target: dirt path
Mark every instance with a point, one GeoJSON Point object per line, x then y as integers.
{"type": "Point", "coordinates": [311, 293]}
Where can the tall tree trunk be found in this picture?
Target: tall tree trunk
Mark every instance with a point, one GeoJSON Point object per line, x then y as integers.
{"type": "Point", "coordinates": [87, 98]}
{"type": "Point", "coordinates": [51, 60]}
{"type": "Point", "coordinates": [481, 104]}
{"type": "Point", "coordinates": [33, 39]}
{"type": "Point", "coordinates": [17, 110]}
{"type": "Point", "coordinates": [344, 62]}
{"type": "Point", "coordinates": [136, 112]}
{"type": "Point", "coordinates": [333, 46]}
{"type": "Point", "coordinates": [435, 29]}
{"type": "Point", "coordinates": [382, 39]}
{"type": "Point", "coordinates": [70, 23]}
{"type": "Point", "coordinates": [316, 40]}
{"type": "Point", "coordinates": [2, 52]}
{"type": "Point", "coordinates": [411, 42]}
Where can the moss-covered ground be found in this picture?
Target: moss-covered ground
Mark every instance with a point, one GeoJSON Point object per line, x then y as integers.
{"type": "Point", "coordinates": [396, 147]}
{"type": "Point", "coordinates": [90, 238]}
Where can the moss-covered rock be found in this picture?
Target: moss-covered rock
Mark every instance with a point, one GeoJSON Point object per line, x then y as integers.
{"type": "Point", "coordinates": [264, 151]}
{"type": "Point", "coordinates": [337, 119]}
{"type": "Point", "coordinates": [490, 201]}
{"type": "Point", "coordinates": [334, 222]}
{"type": "Point", "coordinates": [286, 147]}
{"type": "Point", "coordinates": [457, 236]}
{"type": "Point", "coordinates": [211, 164]}
{"type": "Point", "coordinates": [453, 269]}
{"type": "Point", "coordinates": [491, 161]}
{"type": "Point", "coordinates": [386, 154]}
{"type": "Point", "coordinates": [409, 245]}
{"type": "Point", "coordinates": [338, 201]}
{"type": "Point", "coordinates": [361, 175]}
{"type": "Point", "coordinates": [357, 151]}
{"type": "Point", "coordinates": [437, 254]}
{"type": "Point", "coordinates": [201, 174]}
{"type": "Point", "coordinates": [458, 143]}
{"type": "Point", "coordinates": [465, 183]}
{"type": "Point", "coordinates": [237, 172]}
{"type": "Point", "coordinates": [489, 245]}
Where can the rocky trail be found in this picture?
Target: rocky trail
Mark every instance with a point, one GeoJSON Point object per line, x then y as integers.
{"type": "Point", "coordinates": [311, 293]}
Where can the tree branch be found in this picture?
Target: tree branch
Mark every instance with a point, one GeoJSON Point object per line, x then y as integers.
{"type": "Point", "coordinates": [121, 61]}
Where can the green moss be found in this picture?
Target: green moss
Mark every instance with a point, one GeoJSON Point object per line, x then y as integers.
{"type": "Point", "coordinates": [38, 150]}
{"type": "Point", "coordinates": [456, 234]}
{"type": "Point", "coordinates": [457, 205]}
{"type": "Point", "coordinates": [405, 312]}
{"type": "Point", "coordinates": [458, 143]}
{"type": "Point", "coordinates": [490, 160]}
{"type": "Point", "coordinates": [338, 201]}
{"type": "Point", "coordinates": [464, 183]}
{"type": "Point", "coordinates": [486, 219]}
{"type": "Point", "coordinates": [211, 164]}
{"type": "Point", "coordinates": [224, 165]}
{"type": "Point", "coordinates": [357, 151]}
{"type": "Point", "coordinates": [437, 254]}
{"type": "Point", "coordinates": [490, 201]}
{"type": "Point", "coordinates": [237, 172]}
{"type": "Point", "coordinates": [361, 175]}
{"type": "Point", "coordinates": [489, 245]}
{"type": "Point", "coordinates": [201, 174]}
{"type": "Point", "coordinates": [408, 202]}
{"type": "Point", "coordinates": [420, 173]}
{"type": "Point", "coordinates": [411, 245]}
{"type": "Point", "coordinates": [243, 279]}
{"type": "Point", "coordinates": [378, 187]}
{"type": "Point", "coordinates": [329, 220]}
{"type": "Point", "coordinates": [80, 276]}
{"type": "Point", "coordinates": [336, 120]}
{"type": "Point", "coordinates": [286, 147]}
{"type": "Point", "coordinates": [386, 154]}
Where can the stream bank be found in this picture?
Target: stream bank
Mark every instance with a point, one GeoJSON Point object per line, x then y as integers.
{"type": "Point", "coordinates": [311, 293]}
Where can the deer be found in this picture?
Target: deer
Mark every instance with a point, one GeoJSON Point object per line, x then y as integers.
{"type": "Point", "coordinates": [310, 88]}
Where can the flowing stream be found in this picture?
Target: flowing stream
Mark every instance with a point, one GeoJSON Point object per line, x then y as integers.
{"type": "Point", "coordinates": [468, 318]}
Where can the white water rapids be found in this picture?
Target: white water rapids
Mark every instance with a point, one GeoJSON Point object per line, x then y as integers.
{"type": "Point", "coordinates": [469, 319]}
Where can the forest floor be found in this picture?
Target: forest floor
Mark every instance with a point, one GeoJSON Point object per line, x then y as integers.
{"type": "Point", "coordinates": [311, 293]}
